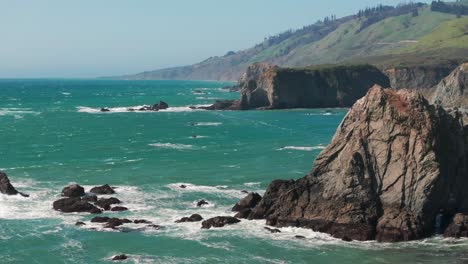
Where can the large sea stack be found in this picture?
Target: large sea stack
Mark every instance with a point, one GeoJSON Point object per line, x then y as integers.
{"type": "Point", "coordinates": [394, 164]}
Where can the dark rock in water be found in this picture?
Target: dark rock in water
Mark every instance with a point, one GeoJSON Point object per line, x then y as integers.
{"type": "Point", "coordinates": [244, 191]}
{"type": "Point", "coordinates": [458, 227]}
{"type": "Point", "coordinates": [219, 221]}
{"type": "Point", "coordinates": [114, 222]}
{"type": "Point", "coordinates": [79, 223]}
{"type": "Point", "coordinates": [6, 187]}
{"type": "Point", "coordinates": [299, 237]}
{"type": "Point", "coordinates": [74, 204]}
{"type": "Point", "coordinates": [100, 219]}
{"type": "Point", "coordinates": [248, 202]}
{"type": "Point", "coordinates": [141, 221]}
{"type": "Point", "coordinates": [105, 109]}
{"type": "Point", "coordinates": [201, 203]}
{"type": "Point", "coordinates": [346, 239]}
{"type": "Point", "coordinates": [120, 257]}
{"type": "Point", "coordinates": [73, 190]}
{"type": "Point", "coordinates": [243, 213]}
{"type": "Point", "coordinates": [183, 186]}
{"type": "Point", "coordinates": [90, 198]}
{"type": "Point", "coordinates": [104, 189]}
{"type": "Point", "coordinates": [157, 227]}
{"type": "Point", "coordinates": [192, 218]}
{"type": "Point", "coordinates": [119, 208]}
{"type": "Point", "coordinates": [273, 230]}
{"type": "Point", "coordinates": [394, 162]}
{"type": "Point", "coordinates": [160, 106]}
{"type": "Point", "coordinates": [106, 203]}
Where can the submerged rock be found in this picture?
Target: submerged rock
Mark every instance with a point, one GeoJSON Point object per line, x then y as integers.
{"type": "Point", "coordinates": [104, 189]}
{"type": "Point", "coordinates": [192, 218]}
{"type": "Point", "coordinates": [219, 221]}
{"type": "Point", "coordinates": [6, 187]}
{"type": "Point", "coordinates": [272, 230]}
{"type": "Point", "coordinates": [160, 106]}
{"type": "Point", "coordinates": [73, 190]}
{"type": "Point", "coordinates": [393, 163]}
{"type": "Point", "coordinates": [248, 202]}
{"type": "Point", "coordinates": [201, 203]}
{"type": "Point", "coordinates": [119, 208]}
{"type": "Point", "coordinates": [106, 203]}
{"type": "Point", "coordinates": [105, 109]}
{"type": "Point", "coordinates": [75, 205]}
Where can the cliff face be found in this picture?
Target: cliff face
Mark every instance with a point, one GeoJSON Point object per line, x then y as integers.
{"type": "Point", "coordinates": [271, 87]}
{"type": "Point", "coordinates": [393, 163]}
{"type": "Point", "coordinates": [422, 78]}
{"type": "Point", "coordinates": [451, 91]}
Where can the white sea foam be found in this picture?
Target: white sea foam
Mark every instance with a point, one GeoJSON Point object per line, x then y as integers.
{"type": "Point", "coordinates": [134, 109]}
{"type": "Point", "coordinates": [220, 189]}
{"type": "Point", "coordinates": [16, 111]}
{"type": "Point", "coordinates": [302, 148]}
{"type": "Point", "coordinates": [171, 146]}
{"type": "Point", "coordinates": [207, 124]}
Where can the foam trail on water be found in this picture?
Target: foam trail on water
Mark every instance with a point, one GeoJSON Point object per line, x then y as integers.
{"type": "Point", "coordinates": [302, 148]}
{"type": "Point", "coordinates": [134, 109]}
{"type": "Point", "coordinates": [171, 146]}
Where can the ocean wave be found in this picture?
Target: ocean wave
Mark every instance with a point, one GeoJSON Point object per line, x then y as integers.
{"type": "Point", "coordinates": [171, 146]}
{"type": "Point", "coordinates": [16, 111]}
{"type": "Point", "coordinates": [302, 148]}
{"type": "Point", "coordinates": [92, 110]}
{"type": "Point", "coordinates": [207, 124]}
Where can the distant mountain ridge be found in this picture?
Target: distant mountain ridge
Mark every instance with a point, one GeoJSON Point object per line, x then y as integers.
{"type": "Point", "coordinates": [413, 33]}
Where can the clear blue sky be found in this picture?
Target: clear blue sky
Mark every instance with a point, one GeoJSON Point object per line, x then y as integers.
{"type": "Point", "coordinates": [88, 38]}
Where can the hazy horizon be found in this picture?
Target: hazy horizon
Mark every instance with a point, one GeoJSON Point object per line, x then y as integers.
{"type": "Point", "coordinates": [87, 39]}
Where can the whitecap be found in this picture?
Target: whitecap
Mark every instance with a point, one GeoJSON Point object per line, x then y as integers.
{"type": "Point", "coordinates": [302, 148]}
{"type": "Point", "coordinates": [207, 124]}
{"type": "Point", "coordinates": [134, 109]}
{"type": "Point", "coordinates": [171, 146]}
{"type": "Point", "coordinates": [16, 111]}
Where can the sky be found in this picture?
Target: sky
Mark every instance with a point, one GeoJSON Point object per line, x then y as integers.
{"type": "Point", "coordinates": [91, 38]}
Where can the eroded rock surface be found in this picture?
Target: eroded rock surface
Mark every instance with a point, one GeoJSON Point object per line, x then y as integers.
{"type": "Point", "coordinates": [452, 91]}
{"type": "Point", "coordinates": [394, 162]}
{"type": "Point", "coordinates": [6, 187]}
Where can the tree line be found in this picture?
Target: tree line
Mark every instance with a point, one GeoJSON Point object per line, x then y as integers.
{"type": "Point", "coordinates": [452, 8]}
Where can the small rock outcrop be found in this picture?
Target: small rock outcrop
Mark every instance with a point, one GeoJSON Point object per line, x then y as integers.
{"type": "Point", "coordinates": [75, 205]}
{"type": "Point", "coordinates": [248, 202]}
{"type": "Point", "coordinates": [219, 221]}
{"type": "Point", "coordinates": [104, 189]}
{"type": "Point", "coordinates": [192, 218]}
{"type": "Point", "coordinates": [6, 187]}
{"type": "Point", "coordinates": [458, 227]}
{"type": "Point", "coordinates": [119, 257]}
{"type": "Point", "coordinates": [73, 190]}
{"type": "Point", "coordinates": [393, 164]}
{"type": "Point", "coordinates": [106, 203]}
{"type": "Point", "coordinates": [453, 90]}
{"type": "Point", "coordinates": [202, 203]}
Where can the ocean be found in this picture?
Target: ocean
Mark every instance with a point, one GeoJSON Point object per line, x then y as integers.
{"type": "Point", "coordinates": [52, 133]}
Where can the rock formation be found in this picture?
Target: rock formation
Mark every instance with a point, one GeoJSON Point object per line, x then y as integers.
{"type": "Point", "coordinates": [451, 91]}
{"type": "Point", "coordinates": [421, 78]}
{"type": "Point", "coordinates": [104, 189]}
{"type": "Point", "coordinates": [264, 86]}
{"type": "Point", "coordinates": [73, 190]}
{"type": "Point", "coordinates": [6, 187]}
{"type": "Point", "coordinates": [219, 221]}
{"type": "Point", "coordinates": [394, 162]}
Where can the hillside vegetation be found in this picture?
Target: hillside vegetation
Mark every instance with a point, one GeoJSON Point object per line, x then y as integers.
{"type": "Point", "coordinates": [407, 34]}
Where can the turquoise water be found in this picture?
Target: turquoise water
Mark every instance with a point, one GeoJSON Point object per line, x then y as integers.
{"type": "Point", "coordinates": [52, 134]}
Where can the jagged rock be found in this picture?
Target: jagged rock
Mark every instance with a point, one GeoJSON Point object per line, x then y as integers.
{"type": "Point", "coordinates": [104, 189]}
{"type": "Point", "coordinates": [73, 190]}
{"type": "Point", "coordinates": [6, 187]}
{"type": "Point", "coordinates": [75, 204]}
{"type": "Point", "coordinates": [160, 106]}
{"type": "Point", "coordinates": [452, 91]}
{"type": "Point", "coordinates": [100, 219]}
{"type": "Point", "coordinates": [141, 221]}
{"type": "Point", "coordinates": [458, 227]}
{"type": "Point", "coordinates": [79, 223]}
{"type": "Point", "coordinates": [201, 203]}
{"type": "Point", "coordinates": [219, 221]}
{"type": "Point", "coordinates": [89, 198]}
{"type": "Point", "coordinates": [119, 257]}
{"type": "Point", "coordinates": [192, 218]}
{"type": "Point", "coordinates": [394, 162]}
{"type": "Point", "coordinates": [106, 203]}
{"type": "Point", "coordinates": [243, 213]}
{"type": "Point", "coordinates": [114, 222]}
{"type": "Point", "coordinates": [248, 202]}
{"type": "Point", "coordinates": [119, 208]}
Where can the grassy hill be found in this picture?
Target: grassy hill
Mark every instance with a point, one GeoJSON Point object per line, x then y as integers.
{"type": "Point", "coordinates": [407, 34]}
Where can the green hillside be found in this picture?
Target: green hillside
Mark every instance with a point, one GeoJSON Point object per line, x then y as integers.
{"type": "Point", "coordinates": [378, 36]}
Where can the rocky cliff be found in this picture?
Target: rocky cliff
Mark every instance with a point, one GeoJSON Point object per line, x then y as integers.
{"type": "Point", "coordinates": [393, 164]}
{"type": "Point", "coordinates": [422, 78]}
{"type": "Point", "coordinates": [451, 91]}
{"type": "Point", "coordinates": [264, 86]}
